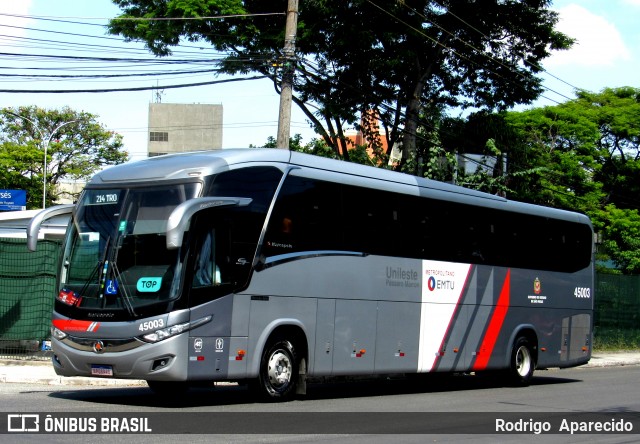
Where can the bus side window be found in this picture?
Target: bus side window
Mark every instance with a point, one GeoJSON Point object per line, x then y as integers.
{"type": "Point", "coordinates": [207, 272]}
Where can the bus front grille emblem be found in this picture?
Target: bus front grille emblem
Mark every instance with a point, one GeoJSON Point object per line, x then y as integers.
{"type": "Point", "coordinates": [98, 347]}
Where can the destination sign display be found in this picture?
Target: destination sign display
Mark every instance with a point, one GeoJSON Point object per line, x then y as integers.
{"type": "Point", "coordinates": [102, 197]}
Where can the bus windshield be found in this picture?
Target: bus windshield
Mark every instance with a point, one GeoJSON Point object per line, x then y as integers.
{"type": "Point", "coordinates": [115, 256]}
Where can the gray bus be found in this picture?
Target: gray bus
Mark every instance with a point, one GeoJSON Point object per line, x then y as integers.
{"type": "Point", "coordinates": [271, 267]}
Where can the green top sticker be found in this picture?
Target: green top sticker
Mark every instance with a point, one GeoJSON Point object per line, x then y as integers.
{"type": "Point", "coordinates": [149, 284]}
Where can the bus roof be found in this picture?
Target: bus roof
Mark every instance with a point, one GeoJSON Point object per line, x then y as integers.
{"type": "Point", "coordinates": [204, 163]}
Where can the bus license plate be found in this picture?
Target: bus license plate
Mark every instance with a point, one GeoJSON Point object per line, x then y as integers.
{"type": "Point", "coordinates": [101, 370]}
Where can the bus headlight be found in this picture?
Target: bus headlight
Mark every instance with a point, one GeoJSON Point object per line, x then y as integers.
{"type": "Point", "coordinates": [58, 334]}
{"type": "Point", "coordinates": [165, 333]}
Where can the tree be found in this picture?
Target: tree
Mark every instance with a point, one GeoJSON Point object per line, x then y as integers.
{"type": "Point", "coordinates": [407, 60]}
{"type": "Point", "coordinates": [582, 155]}
{"type": "Point", "coordinates": [616, 114]}
{"type": "Point", "coordinates": [560, 143]}
{"type": "Point", "coordinates": [77, 146]}
{"type": "Point", "coordinates": [621, 238]}
{"type": "Point", "coordinates": [589, 148]}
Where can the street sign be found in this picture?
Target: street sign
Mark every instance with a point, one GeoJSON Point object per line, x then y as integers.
{"type": "Point", "coordinates": [13, 200]}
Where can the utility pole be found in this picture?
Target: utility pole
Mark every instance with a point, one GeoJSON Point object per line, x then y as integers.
{"type": "Point", "coordinates": [286, 93]}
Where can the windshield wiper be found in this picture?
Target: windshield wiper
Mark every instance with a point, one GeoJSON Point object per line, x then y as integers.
{"type": "Point", "coordinates": [98, 270]}
{"type": "Point", "coordinates": [123, 293]}
{"type": "Point", "coordinates": [102, 266]}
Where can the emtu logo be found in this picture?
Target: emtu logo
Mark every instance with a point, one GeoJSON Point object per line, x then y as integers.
{"type": "Point", "coordinates": [440, 284]}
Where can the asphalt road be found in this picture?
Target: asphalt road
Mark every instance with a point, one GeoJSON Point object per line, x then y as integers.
{"type": "Point", "coordinates": [436, 410]}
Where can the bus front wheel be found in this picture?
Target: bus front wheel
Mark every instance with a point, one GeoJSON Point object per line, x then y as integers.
{"type": "Point", "coordinates": [278, 371]}
{"type": "Point", "coordinates": [522, 362]}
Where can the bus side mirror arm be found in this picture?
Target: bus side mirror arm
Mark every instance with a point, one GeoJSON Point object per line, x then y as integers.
{"type": "Point", "coordinates": [180, 218]}
{"type": "Point", "coordinates": [34, 224]}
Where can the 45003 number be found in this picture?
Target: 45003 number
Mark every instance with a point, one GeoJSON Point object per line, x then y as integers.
{"type": "Point", "coordinates": [582, 292]}
{"type": "Point", "coordinates": [151, 325]}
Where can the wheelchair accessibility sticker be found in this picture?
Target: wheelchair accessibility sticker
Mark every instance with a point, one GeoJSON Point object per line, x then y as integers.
{"type": "Point", "coordinates": [112, 287]}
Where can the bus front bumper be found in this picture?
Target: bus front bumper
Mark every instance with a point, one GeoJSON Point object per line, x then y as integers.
{"type": "Point", "coordinates": [161, 361]}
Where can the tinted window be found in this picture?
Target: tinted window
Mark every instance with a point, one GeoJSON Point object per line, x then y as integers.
{"type": "Point", "coordinates": [258, 183]}
{"type": "Point", "coordinates": [307, 217]}
{"type": "Point", "coordinates": [313, 215]}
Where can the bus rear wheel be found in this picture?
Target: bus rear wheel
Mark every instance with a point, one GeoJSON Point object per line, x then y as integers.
{"type": "Point", "coordinates": [278, 371]}
{"type": "Point", "coordinates": [522, 362]}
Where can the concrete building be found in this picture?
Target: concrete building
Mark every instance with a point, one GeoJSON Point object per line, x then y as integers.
{"type": "Point", "coordinates": [177, 128]}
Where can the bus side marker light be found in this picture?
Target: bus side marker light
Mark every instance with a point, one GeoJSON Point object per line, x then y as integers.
{"type": "Point", "coordinates": [240, 355]}
{"type": "Point", "coordinates": [455, 350]}
{"type": "Point", "coordinates": [544, 349]}
{"type": "Point", "coordinates": [358, 354]}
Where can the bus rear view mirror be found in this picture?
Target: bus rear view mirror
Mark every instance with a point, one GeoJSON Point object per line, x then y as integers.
{"type": "Point", "coordinates": [178, 222]}
{"type": "Point", "coordinates": [34, 224]}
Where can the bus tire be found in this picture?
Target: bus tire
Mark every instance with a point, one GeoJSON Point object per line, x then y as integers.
{"type": "Point", "coordinates": [522, 362]}
{"type": "Point", "coordinates": [278, 374]}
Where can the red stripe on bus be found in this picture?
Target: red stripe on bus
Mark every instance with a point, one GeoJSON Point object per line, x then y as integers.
{"type": "Point", "coordinates": [495, 325]}
{"type": "Point", "coordinates": [450, 326]}
{"type": "Point", "coordinates": [75, 325]}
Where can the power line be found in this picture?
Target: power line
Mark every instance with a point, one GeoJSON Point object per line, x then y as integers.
{"type": "Point", "coordinates": [85, 36]}
{"type": "Point", "coordinates": [481, 52]}
{"type": "Point", "coordinates": [451, 50]}
{"type": "Point", "coordinates": [140, 88]}
{"type": "Point", "coordinates": [104, 76]}
{"type": "Point", "coordinates": [141, 19]}
{"type": "Point", "coordinates": [108, 59]}
{"type": "Point", "coordinates": [199, 48]}
{"type": "Point", "coordinates": [72, 45]}
{"type": "Point", "coordinates": [525, 61]}
{"type": "Point", "coordinates": [148, 88]}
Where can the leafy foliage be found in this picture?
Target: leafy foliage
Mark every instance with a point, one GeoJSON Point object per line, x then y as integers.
{"type": "Point", "coordinates": [407, 60]}
{"type": "Point", "coordinates": [410, 62]}
{"type": "Point", "coordinates": [76, 144]}
{"type": "Point", "coordinates": [582, 155]}
{"type": "Point", "coordinates": [620, 230]}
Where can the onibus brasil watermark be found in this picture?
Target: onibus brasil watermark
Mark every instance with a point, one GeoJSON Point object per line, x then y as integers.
{"type": "Point", "coordinates": [568, 422]}
{"type": "Point", "coordinates": [47, 423]}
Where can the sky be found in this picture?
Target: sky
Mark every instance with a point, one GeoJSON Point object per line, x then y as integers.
{"type": "Point", "coordinates": [250, 108]}
{"type": "Point", "coordinates": [606, 54]}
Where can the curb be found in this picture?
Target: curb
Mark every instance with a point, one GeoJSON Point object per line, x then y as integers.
{"type": "Point", "coordinates": [42, 372]}
{"type": "Point", "coordinates": [613, 360]}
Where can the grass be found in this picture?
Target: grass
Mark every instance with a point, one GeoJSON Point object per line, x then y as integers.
{"type": "Point", "coordinates": [613, 339]}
